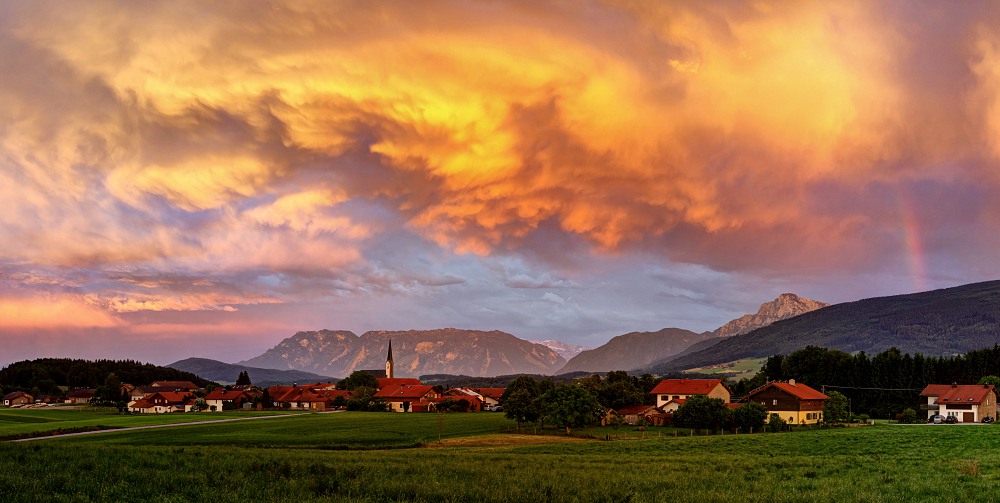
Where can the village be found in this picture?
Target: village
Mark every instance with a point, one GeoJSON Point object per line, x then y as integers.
{"type": "Point", "coordinates": [791, 402]}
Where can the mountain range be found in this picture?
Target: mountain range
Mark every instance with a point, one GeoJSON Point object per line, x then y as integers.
{"type": "Point", "coordinates": [415, 353]}
{"type": "Point", "coordinates": [638, 350]}
{"type": "Point", "coordinates": [939, 322]}
{"type": "Point", "coordinates": [936, 323]}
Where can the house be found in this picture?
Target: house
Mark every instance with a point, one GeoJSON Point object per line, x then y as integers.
{"type": "Point", "coordinates": [472, 398]}
{"type": "Point", "coordinates": [17, 398]}
{"type": "Point", "coordinates": [632, 413]}
{"type": "Point", "coordinates": [490, 396]}
{"type": "Point", "coordinates": [222, 399]}
{"type": "Point", "coordinates": [162, 402]}
{"type": "Point", "coordinates": [968, 403]}
{"type": "Point", "coordinates": [80, 396]}
{"type": "Point", "coordinates": [409, 397]}
{"type": "Point", "coordinates": [677, 390]}
{"type": "Point", "coordinates": [175, 386]}
{"type": "Point", "coordinates": [794, 402]}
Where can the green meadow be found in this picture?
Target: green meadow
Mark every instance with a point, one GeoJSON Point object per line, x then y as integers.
{"type": "Point", "coordinates": [55, 419]}
{"type": "Point", "coordinates": [472, 457]}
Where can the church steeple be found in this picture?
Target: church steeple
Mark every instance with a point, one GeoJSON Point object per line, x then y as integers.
{"type": "Point", "coordinates": [388, 362]}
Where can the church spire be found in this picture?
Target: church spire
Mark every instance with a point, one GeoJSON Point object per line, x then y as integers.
{"type": "Point", "coordinates": [388, 362]}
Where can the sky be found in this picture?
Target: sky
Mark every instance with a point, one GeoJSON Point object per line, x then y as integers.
{"type": "Point", "coordinates": [193, 178]}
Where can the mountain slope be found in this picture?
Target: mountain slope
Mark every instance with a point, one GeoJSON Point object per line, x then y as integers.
{"type": "Point", "coordinates": [951, 320]}
{"type": "Point", "coordinates": [787, 305]}
{"type": "Point", "coordinates": [228, 372]}
{"type": "Point", "coordinates": [634, 350]}
{"type": "Point", "coordinates": [415, 352]}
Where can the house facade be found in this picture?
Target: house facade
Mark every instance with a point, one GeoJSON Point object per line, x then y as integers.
{"type": "Point", "coordinates": [678, 390]}
{"type": "Point", "coordinates": [409, 397]}
{"type": "Point", "coordinates": [17, 398]}
{"type": "Point", "coordinates": [967, 403]}
{"type": "Point", "coordinates": [794, 402]}
{"type": "Point", "coordinates": [222, 399]}
{"type": "Point", "coordinates": [80, 396]}
{"type": "Point", "coordinates": [163, 402]}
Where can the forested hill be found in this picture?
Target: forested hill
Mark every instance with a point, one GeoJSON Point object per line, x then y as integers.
{"type": "Point", "coordinates": [88, 374]}
{"type": "Point", "coordinates": [939, 322]}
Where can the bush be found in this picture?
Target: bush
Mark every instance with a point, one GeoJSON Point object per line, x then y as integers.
{"type": "Point", "coordinates": [776, 424]}
{"type": "Point", "coordinates": [909, 416]}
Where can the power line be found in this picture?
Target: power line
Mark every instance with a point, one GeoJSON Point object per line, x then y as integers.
{"type": "Point", "coordinates": [871, 389]}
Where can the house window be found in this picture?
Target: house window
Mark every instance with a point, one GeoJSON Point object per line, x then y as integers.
{"type": "Point", "coordinates": [774, 402]}
{"type": "Point", "coordinates": [664, 398]}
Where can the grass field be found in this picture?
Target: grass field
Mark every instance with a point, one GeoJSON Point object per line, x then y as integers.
{"type": "Point", "coordinates": [248, 462]}
{"type": "Point", "coordinates": [20, 421]}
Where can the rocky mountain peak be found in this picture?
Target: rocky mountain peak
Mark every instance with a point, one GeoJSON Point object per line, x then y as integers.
{"type": "Point", "coordinates": [787, 305]}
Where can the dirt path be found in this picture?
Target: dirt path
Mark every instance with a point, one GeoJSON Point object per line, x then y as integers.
{"type": "Point", "coordinates": [149, 427]}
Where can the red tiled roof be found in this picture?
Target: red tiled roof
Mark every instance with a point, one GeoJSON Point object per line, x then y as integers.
{"type": "Point", "coordinates": [494, 393]}
{"type": "Point", "coordinates": [404, 392]}
{"type": "Point", "coordinates": [935, 389]}
{"type": "Point", "coordinates": [396, 381]}
{"type": "Point", "coordinates": [686, 386]}
{"type": "Point", "coordinates": [224, 394]}
{"type": "Point", "coordinates": [965, 393]}
{"type": "Point", "coordinates": [798, 390]}
{"type": "Point", "coordinates": [734, 405]}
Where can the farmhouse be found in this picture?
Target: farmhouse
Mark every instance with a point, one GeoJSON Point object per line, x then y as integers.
{"type": "Point", "coordinates": [162, 402]}
{"type": "Point", "coordinates": [409, 397]}
{"type": "Point", "coordinates": [677, 390]}
{"type": "Point", "coordinates": [794, 402]}
{"type": "Point", "coordinates": [222, 399]}
{"type": "Point", "coordinates": [490, 396]}
{"type": "Point", "coordinates": [968, 403]}
{"type": "Point", "coordinates": [80, 396]}
{"type": "Point", "coordinates": [17, 398]}
{"type": "Point", "coordinates": [175, 386]}
{"type": "Point", "coordinates": [632, 413]}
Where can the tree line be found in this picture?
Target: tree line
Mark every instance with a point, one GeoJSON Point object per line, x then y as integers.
{"type": "Point", "coordinates": [46, 375]}
{"type": "Point", "coordinates": [882, 385]}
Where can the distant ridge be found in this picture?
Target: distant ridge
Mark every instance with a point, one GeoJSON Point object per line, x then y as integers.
{"type": "Point", "coordinates": [634, 350]}
{"type": "Point", "coordinates": [940, 322]}
{"type": "Point", "coordinates": [228, 372]}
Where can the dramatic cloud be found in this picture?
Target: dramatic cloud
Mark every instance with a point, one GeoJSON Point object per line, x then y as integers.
{"type": "Point", "coordinates": [500, 165]}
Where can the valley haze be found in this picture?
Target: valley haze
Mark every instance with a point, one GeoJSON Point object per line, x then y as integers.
{"type": "Point", "coordinates": [207, 179]}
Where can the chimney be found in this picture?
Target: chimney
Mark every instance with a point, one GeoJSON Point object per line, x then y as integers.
{"type": "Point", "coordinates": [791, 381]}
{"type": "Point", "coordinates": [954, 385]}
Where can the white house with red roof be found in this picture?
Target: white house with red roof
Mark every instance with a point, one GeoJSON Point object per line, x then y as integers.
{"type": "Point", "coordinates": [967, 403]}
{"type": "Point", "coordinates": [794, 402]}
{"type": "Point", "coordinates": [678, 390]}
{"type": "Point", "coordinates": [162, 402]}
{"type": "Point", "coordinates": [219, 397]}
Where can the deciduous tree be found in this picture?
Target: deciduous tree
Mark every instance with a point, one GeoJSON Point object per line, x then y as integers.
{"type": "Point", "coordinates": [570, 406]}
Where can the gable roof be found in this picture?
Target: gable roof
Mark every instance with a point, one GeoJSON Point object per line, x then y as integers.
{"type": "Point", "coordinates": [494, 393]}
{"type": "Point", "coordinates": [965, 393]}
{"type": "Point", "coordinates": [384, 382]}
{"type": "Point", "coordinates": [404, 392]}
{"type": "Point", "coordinates": [796, 389]}
{"type": "Point", "coordinates": [15, 395]}
{"type": "Point", "coordinates": [225, 394]}
{"type": "Point", "coordinates": [634, 409]}
{"type": "Point", "coordinates": [686, 386]}
{"type": "Point", "coordinates": [935, 389]}
{"type": "Point", "coordinates": [82, 393]}
{"type": "Point", "coordinates": [188, 385]}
